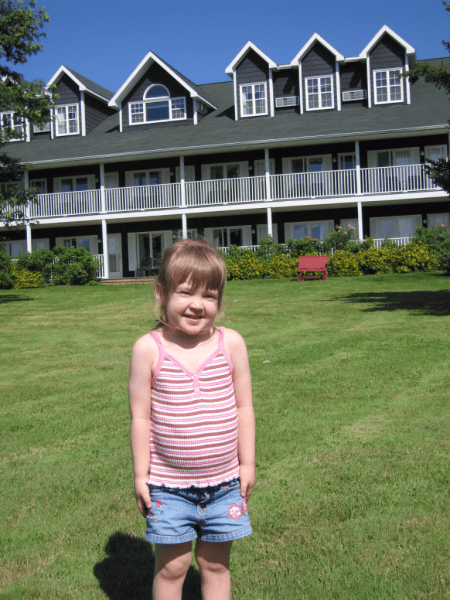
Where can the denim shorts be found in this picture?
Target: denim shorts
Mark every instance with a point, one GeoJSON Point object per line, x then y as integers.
{"type": "Point", "coordinates": [213, 514]}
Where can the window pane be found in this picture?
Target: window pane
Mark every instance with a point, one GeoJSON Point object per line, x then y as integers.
{"type": "Point", "coordinates": [300, 231]}
{"type": "Point", "coordinates": [217, 172]}
{"type": "Point", "coordinates": [402, 157]}
{"type": "Point", "coordinates": [297, 165]}
{"type": "Point", "coordinates": [232, 171]}
{"type": "Point", "coordinates": [81, 184]}
{"type": "Point", "coordinates": [157, 91]}
{"type": "Point", "coordinates": [387, 229]}
{"type": "Point", "coordinates": [318, 231]}
{"type": "Point", "coordinates": [405, 227]}
{"type": "Point", "coordinates": [139, 179]}
{"type": "Point", "coordinates": [235, 236]}
{"type": "Point", "coordinates": [84, 243]}
{"type": "Point", "coordinates": [154, 177]}
{"type": "Point", "coordinates": [383, 159]}
{"type": "Point", "coordinates": [315, 164]}
{"type": "Point", "coordinates": [157, 111]}
{"type": "Point", "coordinates": [137, 113]}
{"type": "Point", "coordinates": [66, 185]}
{"type": "Point", "coordinates": [178, 108]}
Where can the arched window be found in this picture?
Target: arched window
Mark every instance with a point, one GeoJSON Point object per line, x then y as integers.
{"type": "Point", "coordinates": [157, 105]}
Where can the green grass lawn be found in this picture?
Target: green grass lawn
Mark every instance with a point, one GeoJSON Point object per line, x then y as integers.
{"type": "Point", "coordinates": [353, 441]}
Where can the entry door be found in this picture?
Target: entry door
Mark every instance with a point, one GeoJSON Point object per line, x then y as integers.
{"type": "Point", "coordinates": [115, 255]}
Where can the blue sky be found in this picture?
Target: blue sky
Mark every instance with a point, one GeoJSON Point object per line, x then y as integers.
{"type": "Point", "coordinates": [105, 40]}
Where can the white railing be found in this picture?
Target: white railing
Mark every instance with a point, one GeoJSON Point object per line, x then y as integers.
{"type": "Point", "coordinates": [226, 191]}
{"type": "Point", "coordinates": [293, 186]}
{"type": "Point", "coordinates": [313, 185]}
{"type": "Point", "coordinates": [63, 204]}
{"type": "Point", "coordinates": [407, 178]}
{"type": "Point", "coordinates": [101, 270]}
{"type": "Point", "coordinates": [400, 241]}
{"type": "Point", "coordinates": [145, 197]}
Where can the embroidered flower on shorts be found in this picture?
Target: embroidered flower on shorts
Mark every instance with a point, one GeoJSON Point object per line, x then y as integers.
{"type": "Point", "coordinates": [235, 511]}
{"type": "Point", "coordinates": [158, 503]}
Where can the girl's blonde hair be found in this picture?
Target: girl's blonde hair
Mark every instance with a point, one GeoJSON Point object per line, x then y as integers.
{"type": "Point", "coordinates": [193, 260]}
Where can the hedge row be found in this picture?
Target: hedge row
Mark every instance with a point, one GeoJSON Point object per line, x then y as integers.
{"type": "Point", "coordinates": [416, 256]}
{"type": "Point", "coordinates": [60, 266]}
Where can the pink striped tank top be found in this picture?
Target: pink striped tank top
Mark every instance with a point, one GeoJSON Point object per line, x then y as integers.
{"type": "Point", "coordinates": [194, 425]}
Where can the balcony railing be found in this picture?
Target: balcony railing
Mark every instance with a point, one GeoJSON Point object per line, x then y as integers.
{"type": "Point", "coordinates": [293, 186]}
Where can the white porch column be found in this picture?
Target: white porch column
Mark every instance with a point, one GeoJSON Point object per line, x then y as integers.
{"type": "Point", "coordinates": [27, 214]}
{"type": "Point", "coordinates": [104, 227]}
{"type": "Point", "coordinates": [268, 194]}
{"type": "Point", "coordinates": [360, 221]}
{"type": "Point", "coordinates": [183, 199]}
{"type": "Point", "coordinates": [358, 168]}
{"type": "Point", "coordinates": [105, 249]}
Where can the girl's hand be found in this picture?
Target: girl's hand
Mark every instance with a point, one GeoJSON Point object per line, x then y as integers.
{"type": "Point", "coordinates": [142, 494]}
{"type": "Point", "coordinates": [247, 478]}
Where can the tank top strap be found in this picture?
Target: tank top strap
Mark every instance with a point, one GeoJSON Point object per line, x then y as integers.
{"type": "Point", "coordinates": [222, 348]}
{"type": "Point", "coordinates": [162, 353]}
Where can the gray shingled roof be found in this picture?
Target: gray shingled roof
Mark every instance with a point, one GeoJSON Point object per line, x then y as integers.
{"type": "Point", "coordinates": [428, 112]}
{"type": "Point", "coordinates": [91, 85]}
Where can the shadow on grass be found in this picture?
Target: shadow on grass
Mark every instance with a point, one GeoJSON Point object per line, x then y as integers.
{"type": "Point", "coordinates": [127, 572]}
{"type": "Point", "coordinates": [13, 298]}
{"type": "Point", "coordinates": [424, 303]}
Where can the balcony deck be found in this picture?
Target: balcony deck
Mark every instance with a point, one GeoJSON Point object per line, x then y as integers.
{"type": "Point", "coordinates": [358, 183]}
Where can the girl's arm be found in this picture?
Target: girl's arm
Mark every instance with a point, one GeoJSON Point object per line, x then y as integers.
{"type": "Point", "coordinates": [237, 350]}
{"type": "Point", "coordinates": [139, 395]}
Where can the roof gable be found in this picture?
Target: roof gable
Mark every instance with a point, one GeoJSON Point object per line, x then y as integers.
{"type": "Point", "coordinates": [143, 67]}
{"type": "Point", "coordinates": [84, 84]}
{"type": "Point", "coordinates": [385, 29]}
{"type": "Point", "coordinates": [237, 59]}
{"type": "Point", "coordinates": [309, 44]}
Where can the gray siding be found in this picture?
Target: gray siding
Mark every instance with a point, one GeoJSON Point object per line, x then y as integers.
{"type": "Point", "coordinates": [353, 77]}
{"type": "Point", "coordinates": [387, 54]}
{"type": "Point", "coordinates": [285, 83]}
{"type": "Point", "coordinates": [67, 91]}
{"type": "Point", "coordinates": [318, 61]}
{"type": "Point", "coordinates": [156, 74]}
{"type": "Point", "coordinates": [252, 69]}
{"type": "Point", "coordinates": [96, 112]}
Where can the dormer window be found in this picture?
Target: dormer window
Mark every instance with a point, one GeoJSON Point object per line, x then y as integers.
{"type": "Point", "coordinates": [14, 122]}
{"type": "Point", "coordinates": [388, 86]}
{"type": "Point", "coordinates": [67, 122]}
{"type": "Point", "coordinates": [253, 100]}
{"type": "Point", "coordinates": [156, 106]}
{"type": "Point", "coordinates": [319, 92]}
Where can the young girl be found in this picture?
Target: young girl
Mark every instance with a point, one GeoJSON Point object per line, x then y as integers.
{"type": "Point", "coordinates": [192, 426]}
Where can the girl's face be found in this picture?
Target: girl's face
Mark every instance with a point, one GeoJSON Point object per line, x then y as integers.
{"type": "Point", "coordinates": [189, 311]}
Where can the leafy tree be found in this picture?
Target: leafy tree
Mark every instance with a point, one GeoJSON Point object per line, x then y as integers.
{"type": "Point", "coordinates": [440, 77]}
{"type": "Point", "coordinates": [21, 24]}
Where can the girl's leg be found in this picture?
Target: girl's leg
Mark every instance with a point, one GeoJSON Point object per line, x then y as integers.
{"type": "Point", "coordinates": [213, 559]}
{"type": "Point", "coordinates": [172, 562]}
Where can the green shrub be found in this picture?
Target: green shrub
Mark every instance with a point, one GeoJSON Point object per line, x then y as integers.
{"type": "Point", "coordinates": [343, 263]}
{"type": "Point", "coordinates": [438, 239]}
{"type": "Point", "coordinates": [373, 262]}
{"type": "Point", "coordinates": [339, 239]}
{"type": "Point", "coordinates": [305, 247]}
{"type": "Point", "coordinates": [6, 280]}
{"type": "Point", "coordinates": [73, 266]}
{"type": "Point", "coordinates": [23, 278]}
{"type": "Point", "coordinates": [267, 247]}
{"type": "Point", "coordinates": [415, 256]}
{"type": "Point", "coordinates": [246, 266]}
{"type": "Point", "coordinates": [280, 265]}
{"type": "Point", "coordinates": [39, 261]}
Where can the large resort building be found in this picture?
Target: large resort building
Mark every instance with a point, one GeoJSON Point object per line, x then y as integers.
{"type": "Point", "coordinates": [286, 150]}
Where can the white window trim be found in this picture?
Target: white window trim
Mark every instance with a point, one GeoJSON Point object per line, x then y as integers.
{"type": "Point", "coordinates": [387, 71]}
{"type": "Point", "coordinates": [442, 147]}
{"type": "Point", "coordinates": [66, 107]}
{"type": "Point", "coordinates": [375, 224]}
{"type": "Point", "coordinates": [22, 125]}
{"type": "Point", "coordinates": [33, 183]}
{"type": "Point", "coordinates": [93, 241]}
{"type": "Point", "coordinates": [129, 176]}
{"type": "Point", "coordinates": [146, 101]}
{"type": "Point", "coordinates": [320, 107]}
{"type": "Point", "coordinates": [243, 169]}
{"type": "Point", "coordinates": [242, 100]}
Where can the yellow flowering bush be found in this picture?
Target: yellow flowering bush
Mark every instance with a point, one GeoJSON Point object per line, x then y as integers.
{"type": "Point", "coordinates": [247, 266]}
{"type": "Point", "coordinates": [23, 278]}
{"type": "Point", "coordinates": [374, 262]}
{"type": "Point", "coordinates": [280, 266]}
{"type": "Point", "coordinates": [343, 263]}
